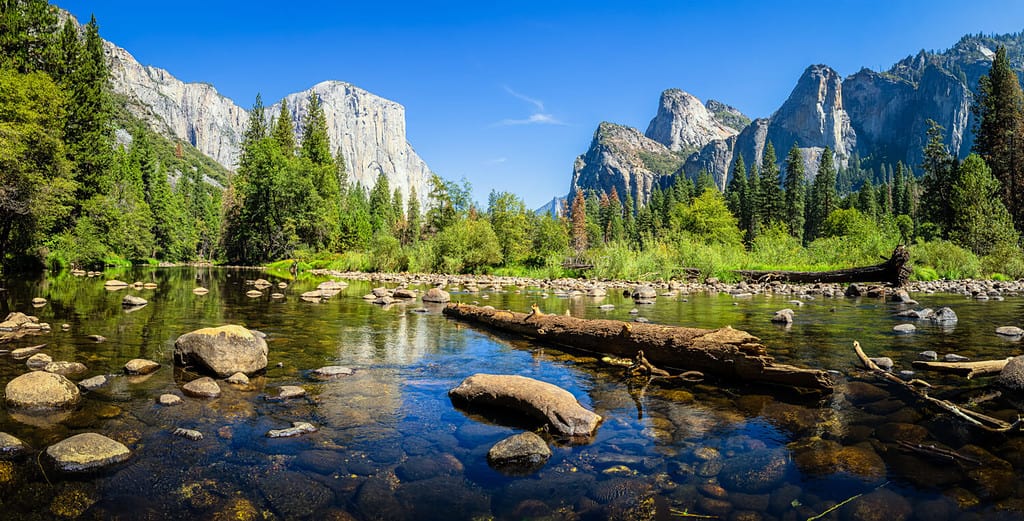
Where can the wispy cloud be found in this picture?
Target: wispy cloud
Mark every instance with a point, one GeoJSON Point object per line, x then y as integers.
{"type": "Point", "coordinates": [538, 117]}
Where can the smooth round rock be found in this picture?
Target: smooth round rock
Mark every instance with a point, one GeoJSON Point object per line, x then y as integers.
{"type": "Point", "coordinates": [200, 291]}
{"type": "Point", "coordinates": [436, 295]}
{"type": "Point", "coordinates": [1010, 331]}
{"type": "Point", "coordinates": [131, 301]}
{"type": "Point", "coordinates": [291, 391]}
{"type": "Point", "coordinates": [93, 383]}
{"type": "Point", "coordinates": [38, 361]}
{"type": "Point", "coordinates": [521, 454]}
{"type": "Point", "coordinates": [238, 379]}
{"type": "Point", "coordinates": [168, 399]}
{"type": "Point", "coordinates": [253, 293]}
{"type": "Point", "coordinates": [903, 329]}
{"type": "Point", "coordinates": [332, 371]}
{"type": "Point", "coordinates": [66, 368]}
{"type": "Point", "coordinates": [141, 366]}
{"type": "Point", "coordinates": [223, 351]}
{"type": "Point", "coordinates": [41, 390]}
{"type": "Point", "coordinates": [38, 301]}
{"type": "Point", "coordinates": [204, 387]}
{"type": "Point", "coordinates": [87, 451]}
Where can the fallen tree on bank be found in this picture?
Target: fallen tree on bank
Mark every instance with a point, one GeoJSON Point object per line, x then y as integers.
{"type": "Point", "coordinates": [727, 353]}
{"type": "Point", "coordinates": [895, 271]}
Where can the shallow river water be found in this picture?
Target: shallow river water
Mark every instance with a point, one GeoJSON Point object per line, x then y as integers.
{"type": "Point", "coordinates": [391, 445]}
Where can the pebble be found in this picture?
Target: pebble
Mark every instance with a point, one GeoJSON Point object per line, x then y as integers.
{"type": "Point", "coordinates": [188, 433]}
{"type": "Point", "coordinates": [951, 357]}
{"type": "Point", "coordinates": [928, 355]}
{"type": "Point", "coordinates": [297, 429]}
{"type": "Point", "coordinates": [238, 379]}
{"type": "Point", "coordinates": [168, 399]}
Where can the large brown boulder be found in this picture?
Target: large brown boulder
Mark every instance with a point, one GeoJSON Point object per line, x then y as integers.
{"type": "Point", "coordinates": [223, 351]}
{"type": "Point", "coordinates": [536, 400]}
{"type": "Point", "coordinates": [41, 390]}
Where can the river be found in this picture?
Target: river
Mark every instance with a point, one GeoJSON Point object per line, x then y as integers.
{"type": "Point", "coordinates": [390, 444]}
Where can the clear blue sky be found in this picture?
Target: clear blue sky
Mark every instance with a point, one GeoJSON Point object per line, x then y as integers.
{"type": "Point", "coordinates": [507, 94]}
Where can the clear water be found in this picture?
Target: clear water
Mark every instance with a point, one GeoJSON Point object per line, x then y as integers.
{"type": "Point", "coordinates": [390, 445]}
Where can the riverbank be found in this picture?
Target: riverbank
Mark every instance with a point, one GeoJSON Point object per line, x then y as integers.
{"type": "Point", "coordinates": [979, 289]}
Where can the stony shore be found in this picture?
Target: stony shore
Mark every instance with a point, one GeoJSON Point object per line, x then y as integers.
{"type": "Point", "coordinates": [980, 289]}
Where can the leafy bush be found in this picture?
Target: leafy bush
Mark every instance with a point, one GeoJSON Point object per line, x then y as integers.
{"type": "Point", "coordinates": [1004, 259]}
{"type": "Point", "coordinates": [947, 259]}
{"type": "Point", "coordinates": [387, 255]}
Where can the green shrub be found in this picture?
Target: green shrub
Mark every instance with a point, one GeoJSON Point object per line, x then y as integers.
{"type": "Point", "coordinates": [947, 259]}
{"type": "Point", "coordinates": [1005, 259]}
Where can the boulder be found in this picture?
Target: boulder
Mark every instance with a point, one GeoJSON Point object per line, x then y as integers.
{"type": "Point", "coordinates": [204, 387]}
{"type": "Point", "coordinates": [436, 295]}
{"type": "Point", "coordinates": [41, 390]}
{"type": "Point", "coordinates": [115, 284]}
{"type": "Point", "coordinates": [131, 301]}
{"type": "Point", "coordinates": [783, 316]}
{"type": "Point", "coordinates": [535, 400]}
{"type": "Point", "coordinates": [902, 329]}
{"type": "Point", "coordinates": [522, 454]}
{"type": "Point", "coordinates": [644, 293]}
{"type": "Point", "coordinates": [903, 297]}
{"type": "Point", "coordinates": [66, 368]}
{"type": "Point", "coordinates": [141, 366]}
{"type": "Point", "coordinates": [38, 301]}
{"type": "Point", "coordinates": [90, 384]}
{"type": "Point", "coordinates": [168, 399]}
{"type": "Point", "coordinates": [252, 293]}
{"type": "Point", "coordinates": [854, 291]}
{"type": "Point", "coordinates": [11, 447]}
{"type": "Point", "coordinates": [332, 285]}
{"type": "Point", "coordinates": [1012, 374]}
{"type": "Point", "coordinates": [200, 291]}
{"type": "Point", "coordinates": [944, 316]}
{"type": "Point", "coordinates": [38, 361]}
{"type": "Point", "coordinates": [87, 451]}
{"type": "Point", "coordinates": [1010, 331]}
{"type": "Point", "coordinates": [223, 351]}
{"type": "Point", "coordinates": [928, 355]}
{"type": "Point", "coordinates": [238, 379]}
{"type": "Point", "coordinates": [404, 293]}
{"type": "Point", "coordinates": [883, 362]}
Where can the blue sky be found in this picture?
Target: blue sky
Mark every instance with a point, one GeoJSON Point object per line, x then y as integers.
{"type": "Point", "coordinates": [507, 94]}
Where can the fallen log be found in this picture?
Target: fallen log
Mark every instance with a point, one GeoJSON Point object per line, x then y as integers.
{"type": "Point", "coordinates": [966, 369]}
{"type": "Point", "coordinates": [977, 419]}
{"type": "Point", "coordinates": [895, 271]}
{"type": "Point", "coordinates": [726, 352]}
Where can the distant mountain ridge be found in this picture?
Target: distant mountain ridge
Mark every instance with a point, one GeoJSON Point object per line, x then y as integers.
{"type": "Point", "coordinates": [370, 130]}
{"type": "Point", "coordinates": [880, 116]}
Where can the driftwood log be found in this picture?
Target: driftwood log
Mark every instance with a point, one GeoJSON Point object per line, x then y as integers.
{"type": "Point", "coordinates": [895, 271]}
{"type": "Point", "coordinates": [727, 353]}
{"type": "Point", "coordinates": [967, 369]}
{"type": "Point", "coordinates": [977, 419]}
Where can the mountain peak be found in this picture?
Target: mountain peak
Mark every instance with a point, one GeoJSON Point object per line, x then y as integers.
{"type": "Point", "coordinates": [683, 123]}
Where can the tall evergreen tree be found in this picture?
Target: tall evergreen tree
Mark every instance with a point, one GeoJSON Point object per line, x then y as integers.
{"type": "Point", "coordinates": [26, 29]}
{"type": "Point", "coordinates": [257, 126]}
{"type": "Point", "coordinates": [772, 200]}
{"type": "Point", "coordinates": [381, 210]}
{"type": "Point", "coordinates": [415, 219]}
{"type": "Point", "coordinates": [823, 193]}
{"type": "Point", "coordinates": [755, 202]}
{"type": "Point", "coordinates": [998, 111]}
{"type": "Point", "coordinates": [736, 191]}
{"type": "Point", "coordinates": [981, 222]}
{"type": "Point", "coordinates": [793, 213]}
{"type": "Point", "coordinates": [315, 150]}
{"type": "Point", "coordinates": [88, 129]}
{"type": "Point", "coordinates": [578, 213]}
{"type": "Point", "coordinates": [937, 183]}
{"type": "Point", "coordinates": [284, 131]}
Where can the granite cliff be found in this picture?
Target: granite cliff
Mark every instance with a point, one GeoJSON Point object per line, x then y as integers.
{"type": "Point", "coordinates": [369, 129]}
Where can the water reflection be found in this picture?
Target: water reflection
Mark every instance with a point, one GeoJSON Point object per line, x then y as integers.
{"type": "Point", "coordinates": [390, 445]}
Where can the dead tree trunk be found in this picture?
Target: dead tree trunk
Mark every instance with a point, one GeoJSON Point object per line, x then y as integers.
{"type": "Point", "coordinates": [725, 352]}
{"type": "Point", "coordinates": [895, 271]}
{"type": "Point", "coordinates": [967, 369]}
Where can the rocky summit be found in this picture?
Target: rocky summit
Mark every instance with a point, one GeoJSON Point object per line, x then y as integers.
{"type": "Point", "coordinates": [369, 130]}
{"type": "Point", "coordinates": [684, 123]}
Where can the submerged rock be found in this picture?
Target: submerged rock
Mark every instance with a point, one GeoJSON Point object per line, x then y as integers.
{"type": "Point", "coordinates": [521, 454]}
{"type": "Point", "coordinates": [238, 379]}
{"type": "Point", "coordinates": [168, 399]}
{"type": "Point", "coordinates": [904, 329]}
{"type": "Point", "coordinates": [754, 472]}
{"type": "Point", "coordinates": [131, 301]}
{"type": "Point", "coordinates": [297, 429]}
{"type": "Point", "coordinates": [190, 434]}
{"type": "Point", "coordinates": [223, 350]}
{"type": "Point", "coordinates": [536, 400]}
{"type": "Point", "coordinates": [1012, 374]}
{"type": "Point", "coordinates": [331, 371]}
{"type": "Point", "coordinates": [944, 316]}
{"type": "Point", "coordinates": [38, 361]}
{"type": "Point", "coordinates": [90, 384]}
{"type": "Point", "coordinates": [65, 368]}
{"type": "Point", "coordinates": [87, 451]}
{"type": "Point", "coordinates": [41, 390]}
{"type": "Point", "coordinates": [783, 316]}
{"type": "Point", "coordinates": [1010, 331]}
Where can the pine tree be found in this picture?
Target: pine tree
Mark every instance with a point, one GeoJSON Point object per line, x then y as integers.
{"type": "Point", "coordinates": [793, 213]}
{"type": "Point", "coordinates": [937, 182]}
{"type": "Point", "coordinates": [865, 201]}
{"type": "Point", "coordinates": [315, 150]}
{"type": "Point", "coordinates": [415, 219]}
{"type": "Point", "coordinates": [257, 127]}
{"type": "Point", "coordinates": [284, 132]}
{"type": "Point", "coordinates": [998, 111]}
{"type": "Point", "coordinates": [87, 129]}
{"type": "Point", "coordinates": [772, 200]}
{"type": "Point", "coordinates": [629, 222]}
{"type": "Point", "coordinates": [736, 192]}
{"type": "Point", "coordinates": [616, 231]}
{"type": "Point", "coordinates": [754, 204]}
{"type": "Point", "coordinates": [823, 199]}
{"type": "Point", "coordinates": [26, 29]}
{"type": "Point", "coordinates": [900, 203]}
{"type": "Point", "coordinates": [381, 209]}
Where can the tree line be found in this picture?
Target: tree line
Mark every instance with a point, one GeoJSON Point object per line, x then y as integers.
{"type": "Point", "coordinates": [83, 183]}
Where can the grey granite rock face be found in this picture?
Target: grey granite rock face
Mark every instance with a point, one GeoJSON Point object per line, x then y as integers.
{"type": "Point", "coordinates": [370, 130]}
{"type": "Point", "coordinates": [622, 158]}
{"type": "Point", "coordinates": [684, 123]}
